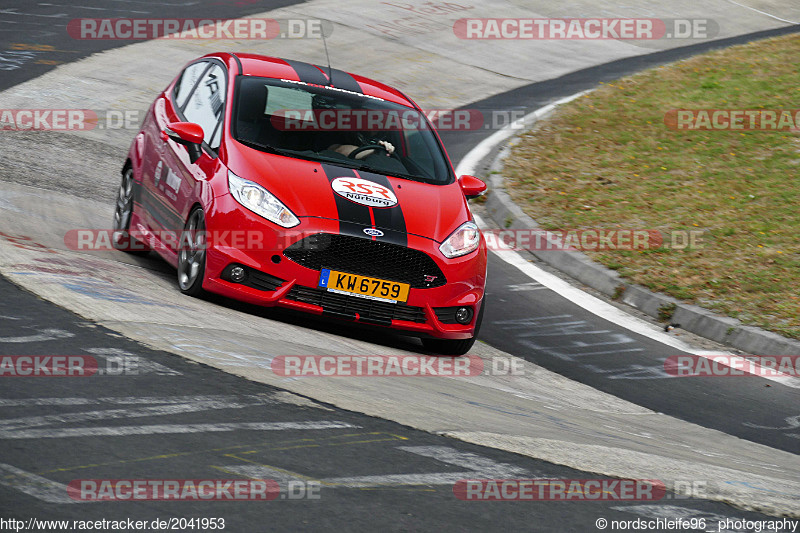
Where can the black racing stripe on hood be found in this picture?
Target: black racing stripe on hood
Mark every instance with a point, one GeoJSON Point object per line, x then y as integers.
{"type": "Point", "coordinates": [390, 219]}
{"type": "Point", "coordinates": [353, 217]}
{"type": "Point", "coordinates": [307, 72]}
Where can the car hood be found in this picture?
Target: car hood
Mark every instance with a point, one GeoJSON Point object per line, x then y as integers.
{"type": "Point", "coordinates": [307, 188]}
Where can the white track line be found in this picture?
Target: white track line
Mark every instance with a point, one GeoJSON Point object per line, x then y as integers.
{"type": "Point", "coordinates": [33, 485]}
{"type": "Point", "coordinates": [591, 303]}
{"type": "Point", "coordinates": [13, 424]}
{"type": "Point", "coordinates": [763, 13]}
{"type": "Point", "coordinates": [469, 165]}
{"type": "Point", "coordinates": [470, 161]}
{"type": "Point", "coordinates": [477, 467]}
{"type": "Point", "coordinates": [132, 400]}
{"type": "Point", "coordinates": [170, 429]}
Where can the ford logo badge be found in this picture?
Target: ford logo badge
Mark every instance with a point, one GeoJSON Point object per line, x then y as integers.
{"type": "Point", "coordinates": [373, 232]}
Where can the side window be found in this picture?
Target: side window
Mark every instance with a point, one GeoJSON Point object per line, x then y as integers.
{"type": "Point", "coordinates": [187, 81]}
{"type": "Point", "coordinates": [206, 104]}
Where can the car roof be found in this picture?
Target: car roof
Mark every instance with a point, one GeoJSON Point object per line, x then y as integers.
{"type": "Point", "coordinates": [289, 69]}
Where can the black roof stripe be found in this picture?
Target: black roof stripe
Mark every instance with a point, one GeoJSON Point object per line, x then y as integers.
{"type": "Point", "coordinates": [342, 80]}
{"type": "Point", "coordinates": [318, 75]}
{"type": "Point", "coordinates": [307, 72]}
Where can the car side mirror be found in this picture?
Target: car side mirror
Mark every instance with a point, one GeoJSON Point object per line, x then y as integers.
{"type": "Point", "coordinates": [188, 134]}
{"type": "Point", "coordinates": [471, 186]}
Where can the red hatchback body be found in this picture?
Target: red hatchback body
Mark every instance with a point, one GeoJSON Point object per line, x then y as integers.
{"type": "Point", "coordinates": [278, 182]}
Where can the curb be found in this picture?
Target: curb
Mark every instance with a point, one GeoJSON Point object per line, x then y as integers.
{"type": "Point", "coordinates": [506, 214]}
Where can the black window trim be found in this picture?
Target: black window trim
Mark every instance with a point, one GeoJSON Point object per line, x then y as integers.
{"type": "Point", "coordinates": [194, 86]}
{"type": "Point", "coordinates": [179, 109]}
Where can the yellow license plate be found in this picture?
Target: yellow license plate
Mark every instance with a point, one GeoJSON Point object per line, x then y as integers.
{"type": "Point", "coordinates": [374, 288]}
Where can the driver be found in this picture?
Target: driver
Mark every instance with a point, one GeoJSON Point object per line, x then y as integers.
{"type": "Point", "coordinates": [353, 140]}
{"type": "Point", "coordinates": [347, 149]}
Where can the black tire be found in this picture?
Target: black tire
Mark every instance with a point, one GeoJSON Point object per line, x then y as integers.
{"type": "Point", "coordinates": [123, 213]}
{"type": "Point", "coordinates": [458, 346]}
{"type": "Point", "coordinates": [192, 254]}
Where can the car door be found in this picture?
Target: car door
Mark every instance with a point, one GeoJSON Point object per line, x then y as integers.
{"type": "Point", "coordinates": [199, 97]}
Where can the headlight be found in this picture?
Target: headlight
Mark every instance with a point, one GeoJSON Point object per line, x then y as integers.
{"type": "Point", "coordinates": [260, 201]}
{"type": "Point", "coordinates": [463, 241]}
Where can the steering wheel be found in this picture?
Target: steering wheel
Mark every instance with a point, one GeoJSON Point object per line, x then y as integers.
{"type": "Point", "coordinates": [364, 148]}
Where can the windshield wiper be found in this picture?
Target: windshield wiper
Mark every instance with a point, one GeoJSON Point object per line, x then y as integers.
{"type": "Point", "coordinates": [412, 177]}
{"type": "Point", "coordinates": [265, 147]}
{"type": "Point", "coordinates": [289, 153]}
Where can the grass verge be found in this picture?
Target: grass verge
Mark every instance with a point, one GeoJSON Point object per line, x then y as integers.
{"type": "Point", "coordinates": [608, 160]}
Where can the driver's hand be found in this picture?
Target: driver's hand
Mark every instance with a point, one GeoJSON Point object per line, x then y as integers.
{"type": "Point", "coordinates": [389, 147]}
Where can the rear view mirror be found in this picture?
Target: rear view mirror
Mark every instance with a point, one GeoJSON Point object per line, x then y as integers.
{"type": "Point", "coordinates": [188, 134]}
{"type": "Point", "coordinates": [471, 186]}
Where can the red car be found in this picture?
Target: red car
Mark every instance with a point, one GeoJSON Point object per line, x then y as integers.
{"type": "Point", "coordinates": [278, 182]}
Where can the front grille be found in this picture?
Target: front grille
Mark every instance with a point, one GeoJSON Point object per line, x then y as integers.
{"type": "Point", "coordinates": [375, 259]}
{"type": "Point", "coordinates": [350, 306]}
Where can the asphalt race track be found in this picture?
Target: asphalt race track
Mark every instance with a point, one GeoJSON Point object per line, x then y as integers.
{"type": "Point", "coordinates": [185, 389]}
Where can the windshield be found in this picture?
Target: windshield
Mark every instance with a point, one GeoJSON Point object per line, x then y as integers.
{"type": "Point", "coordinates": [334, 125]}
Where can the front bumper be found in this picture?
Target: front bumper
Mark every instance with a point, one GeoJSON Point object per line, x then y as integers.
{"type": "Point", "coordinates": [275, 280]}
